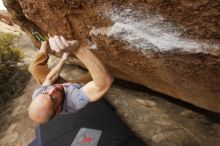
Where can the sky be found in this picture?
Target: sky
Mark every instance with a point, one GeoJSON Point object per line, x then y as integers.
{"type": "Point", "coordinates": [2, 7]}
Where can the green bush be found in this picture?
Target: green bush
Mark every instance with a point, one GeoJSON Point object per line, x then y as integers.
{"type": "Point", "coordinates": [9, 54]}
{"type": "Point", "coordinates": [12, 77]}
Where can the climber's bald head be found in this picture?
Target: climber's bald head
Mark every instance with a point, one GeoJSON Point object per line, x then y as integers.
{"type": "Point", "coordinates": [41, 110]}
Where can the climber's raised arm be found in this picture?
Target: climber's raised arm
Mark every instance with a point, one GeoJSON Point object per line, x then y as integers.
{"type": "Point", "coordinates": [55, 72]}
{"type": "Point", "coordinates": [102, 80]}
{"type": "Point", "coordinates": [38, 67]}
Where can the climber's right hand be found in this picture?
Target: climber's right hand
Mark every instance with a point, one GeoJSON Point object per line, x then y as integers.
{"type": "Point", "coordinates": [65, 56]}
{"type": "Point", "coordinates": [59, 43]}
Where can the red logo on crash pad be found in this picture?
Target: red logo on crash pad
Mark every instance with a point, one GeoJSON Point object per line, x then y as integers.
{"type": "Point", "coordinates": [86, 139]}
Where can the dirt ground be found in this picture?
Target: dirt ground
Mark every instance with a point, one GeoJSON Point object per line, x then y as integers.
{"type": "Point", "coordinates": [157, 119]}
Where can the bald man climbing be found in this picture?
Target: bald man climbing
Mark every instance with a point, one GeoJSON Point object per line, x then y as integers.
{"type": "Point", "coordinates": [56, 95]}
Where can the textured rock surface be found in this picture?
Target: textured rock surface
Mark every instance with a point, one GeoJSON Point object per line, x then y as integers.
{"type": "Point", "coordinates": [169, 46]}
{"type": "Point", "coordinates": [157, 119]}
{"type": "Point", "coordinates": [5, 17]}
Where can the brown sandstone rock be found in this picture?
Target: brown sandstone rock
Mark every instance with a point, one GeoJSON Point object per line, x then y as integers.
{"type": "Point", "coordinates": [5, 17]}
{"type": "Point", "coordinates": [169, 46]}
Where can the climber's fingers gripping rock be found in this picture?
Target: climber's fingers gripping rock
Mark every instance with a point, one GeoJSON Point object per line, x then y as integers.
{"type": "Point", "coordinates": [59, 43]}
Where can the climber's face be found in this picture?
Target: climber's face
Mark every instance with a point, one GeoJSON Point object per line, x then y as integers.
{"type": "Point", "coordinates": [55, 94]}
{"type": "Point", "coordinates": [47, 104]}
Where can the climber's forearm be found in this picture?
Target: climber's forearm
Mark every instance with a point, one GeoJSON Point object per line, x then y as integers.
{"type": "Point", "coordinates": [55, 72]}
{"type": "Point", "coordinates": [99, 73]}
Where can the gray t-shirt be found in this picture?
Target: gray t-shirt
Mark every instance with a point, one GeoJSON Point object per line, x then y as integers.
{"type": "Point", "coordinates": [75, 97]}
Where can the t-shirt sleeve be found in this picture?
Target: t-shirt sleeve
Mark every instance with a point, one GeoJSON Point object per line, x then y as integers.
{"type": "Point", "coordinates": [78, 98]}
{"type": "Point", "coordinates": [38, 91]}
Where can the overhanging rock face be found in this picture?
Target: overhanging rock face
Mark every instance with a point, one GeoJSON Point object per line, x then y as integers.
{"type": "Point", "coordinates": [171, 47]}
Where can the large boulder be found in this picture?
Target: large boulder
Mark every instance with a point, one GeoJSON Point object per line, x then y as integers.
{"type": "Point", "coordinates": [169, 46]}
